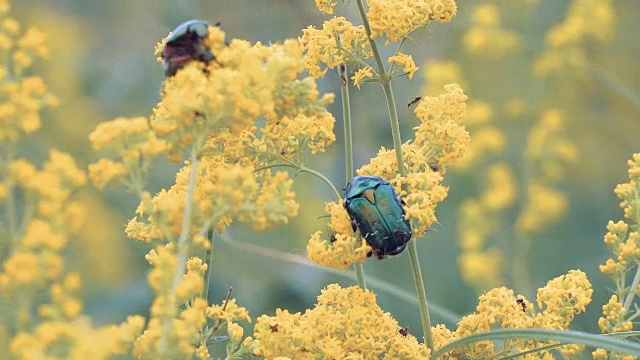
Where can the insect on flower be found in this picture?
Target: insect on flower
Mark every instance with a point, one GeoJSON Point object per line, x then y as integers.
{"type": "Point", "coordinates": [414, 101]}
{"type": "Point", "coordinates": [404, 331]}
{"type": "Point", "coordinates": [523, 304]}
{"type": "Point", "coordinates": [185, 44]}
{"type": "Point", "coordinates": [375, 208]}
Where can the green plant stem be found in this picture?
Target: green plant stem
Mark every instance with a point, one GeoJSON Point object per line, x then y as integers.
{"type": "Point", "coordinates": [182, 247]}
{"type": "Point", "coordinates": [346, 116]}
{"type": "Point", "coordinates": [395, 126]}
{"type": "Point", "coordinates": [367, 30]}
{"type": "Point", "coordinates": [447, 316]}
{"type": "Point", "coordinates": [325, 179]}
{"type": "Point", "coordinates": [307, 170]}
{"type": "Point", "coordinates": [420, 291]}
{"type": "Point", "coordinates": [348, 151]}
{"type": "Point", "coordinates": [385, 81]}
{"type": "Point", "coordinates": [632, 292]}
{"type": "Point", "coordinates": [567, 336]}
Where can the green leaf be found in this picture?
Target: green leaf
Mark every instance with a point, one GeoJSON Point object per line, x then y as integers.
{"type": "Point", "coordinates": [568, 336]}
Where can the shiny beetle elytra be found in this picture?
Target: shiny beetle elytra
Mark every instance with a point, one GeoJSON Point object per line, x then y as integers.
{"type": "Point", "coordinates": [375, 208]}
{"type": "Point", "coordinates": [184, 45]}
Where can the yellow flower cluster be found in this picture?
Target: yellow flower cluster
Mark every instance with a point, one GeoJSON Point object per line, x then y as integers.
{"type": "Point", "coordinates": [346, 323]}
{"type": "Point", "coordinates": [549, 153]}
{"type": "Point", "coordinates": [41, 218]}
{"type": "Point", "coordinates": [615, 317]}
{"type": "Point", "coordinates": [486, 37]}
{"type": "Point", "coordinates": [440, 140]}
{"type": "Point", "coordinates": [184, 324]}
{"type": "Point", "coordinates": [397, 19]}
{"type": "Point", "coordinates": [77, 341]}
{"type": "Point", "coordinates": [326, 6]}
{"type": "Point", "coordinates": [222, 192]}
{"type": "Point", "coordinates": [49, 218]}
{"type": "Point", "coordinates": [173, 330]}
{"type": "Point", "coordinates": [344, 247]}
{"type": "Point", "coordinates": [482, 263]}
{"type": "Point", "coordinates": [406, 61]}
{"type": "Point", "coordinates": [237, 118]}
{"type": "Point", "coordinates": [133, 146]}
{"type": "Point", "coordinates": [338, 42]}
{"type": "Point", "coordinates": [623, 240]}
{"type": "Point", "coordinates": [21, 97]}
{"type": "Point", "coordinates": [245, 83]}
{"type": "Point", "coordinates": [586, 20]}
{"type": "Point", "coordinates": [559, 301]}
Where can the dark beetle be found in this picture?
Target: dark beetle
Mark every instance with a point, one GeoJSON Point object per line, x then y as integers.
{"type": "Point", "coordinates": [375, 208]}
{"type": "Point", "coordinates": [522, 304]}
{"type": "Point", "coordinates": [184, 45]}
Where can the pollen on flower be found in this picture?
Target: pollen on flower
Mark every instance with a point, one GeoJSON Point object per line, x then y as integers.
{"type": "Point", "coordinates": [560, 300]}
{"type": "Point", "coordinates": [344, 316]}
{"type": "Point", "coordinates": [235, 332]}
{"type": "Point", "coordinates": [326, 6]}
{"type": "Point", "coordinates": [406, 61]}
{"type": "Point", "coordinates": [229, 311]}
{"type": "Point", "coordinates": [361, 75]}
{"type": "Point", "coordinates": [339, 252]}
{"type": "Point", "coordinates": [563, 298]}
{"type": "Point", "coordinates": [440, 140]}
{"type": "Point", "coordinates": [396, 19]}
{"type": "Point", "coordinates": [614, 319]}
{"type": "Point", "coordinates": [338, 42]}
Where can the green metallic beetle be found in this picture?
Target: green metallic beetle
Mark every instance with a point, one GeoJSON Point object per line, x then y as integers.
{"type": "Point", "coordinates": [375, 208]}
{"type": "Point", "coordinates": [185, 44]}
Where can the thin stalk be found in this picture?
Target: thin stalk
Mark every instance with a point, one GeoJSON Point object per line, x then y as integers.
{"type": "Point", "coordinates": [346, 116]}
{"type": "Point", "coordinates": [324, 179]}
{"type": "Point", "coordinates": [413, 250]}
{"type": "Point", "coordinates": [385, 81]}
{"type": "Point", "coordinates": [566, 336]}
{"type": "Point", "coordinates": [211, 236]}
{"type": "Point", "coordinates": [182, 245]}
{"type": "Point", "coordinates": [372, 43]}
{"type": "Point", "coordinates": [348, 151]}
{"type": "Point", "coordinates": [395, 126]}
{"type": "Point", "coordinates": [305, 169]}
{"type": "Point", "coordinates": [420, 291]}
{"type": "Point", "coordinates": [632, 290]}
{"type": "Point", "coordinates": [449, 317]}
{"type": "Point", "coordinates": [12, 222]}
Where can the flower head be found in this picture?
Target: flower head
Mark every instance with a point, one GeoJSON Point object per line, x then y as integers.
{"type": "Point", "coordinates": [396, 19]}
{"type": "Point", "coordinates": [338, 42]}
{"type": "Point", "coordinates": [440, 140]}
{"type": "Point", "coordinates": [346, 322]}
